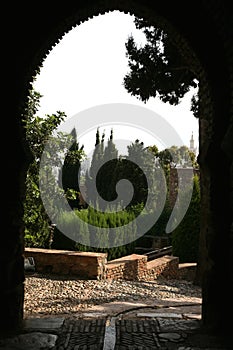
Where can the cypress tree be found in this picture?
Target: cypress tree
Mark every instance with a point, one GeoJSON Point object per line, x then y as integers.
{"type": "Point", "coordinates": [70, 171]}
{"type": "Point", "coordinates": [91, 175]}
{"type": "Point", "coordinates": [106, 178]}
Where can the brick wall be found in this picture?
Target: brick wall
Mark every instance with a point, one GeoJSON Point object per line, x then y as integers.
{"type": "Point", "coordinates": [129, 267]}
{"type": "Point", "coordinates": [91, 265]}
{"type": "Point", "coordinates": [82, 264]}
{"type": "Point", "coordinates": [136, 267]}
{"type": "Point", "coordinates": [166, 266]}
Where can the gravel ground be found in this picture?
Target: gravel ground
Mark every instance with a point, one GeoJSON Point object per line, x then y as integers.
{"type": "Point", "coordinates": [55, 295]}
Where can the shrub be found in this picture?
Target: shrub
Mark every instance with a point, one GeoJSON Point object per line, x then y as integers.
{"type": "Point", "coordinates": [185, 238]}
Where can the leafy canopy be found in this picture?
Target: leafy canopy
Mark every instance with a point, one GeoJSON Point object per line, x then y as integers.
{"type": "Point", "coordinates": [158, 69]}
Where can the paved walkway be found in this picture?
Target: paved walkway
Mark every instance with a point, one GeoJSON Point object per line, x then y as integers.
{"type": "Point", "coordinates": [164, 327]}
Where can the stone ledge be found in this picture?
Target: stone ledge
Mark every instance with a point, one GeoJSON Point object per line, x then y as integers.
{"type": "Point", "coordinates": [126, 260]}
{"type": "Point", "coordinates": [161, 261]}
{"type": "Point", "coordinates": [81, 264]}
{"type": "Point", "coordinates": [187, 271]}
{"type": "Point", "coordinates": [63, 252]}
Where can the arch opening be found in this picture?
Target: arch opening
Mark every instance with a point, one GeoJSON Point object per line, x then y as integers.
{"type": "Point", "coordinates": [208, 132]}
{"type": "Point", "coordinates": [68, 54]}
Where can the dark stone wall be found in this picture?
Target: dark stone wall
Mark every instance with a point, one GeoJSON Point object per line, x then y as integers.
{"type": "Point", "coordinates": [11, 257]}
{"type": "Point", "coordinates": [203, 33]}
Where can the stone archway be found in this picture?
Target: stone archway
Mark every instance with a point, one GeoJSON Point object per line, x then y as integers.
{"type": "Point", "coordinates": [36, 31]}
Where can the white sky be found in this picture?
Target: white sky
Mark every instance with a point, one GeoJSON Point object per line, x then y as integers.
{"type": "Point", "coordinates": [86, 69]}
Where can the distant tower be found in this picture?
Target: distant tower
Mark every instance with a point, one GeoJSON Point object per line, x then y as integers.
{"type": "Point", "coordinates": [191, 147]}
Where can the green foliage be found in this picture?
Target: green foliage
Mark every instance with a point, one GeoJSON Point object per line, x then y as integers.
{"type": "Point", "coordinates": [158, 229]}
{"type": "Point", "coordinates": [139, 159]}
{"type": "Point", "coordinates": [78, 231]}
{"type": "Point", "coordinates": [75, 230]}
{"type": "Point", "coordinates": [70, 172]}
{"type": "Point", "coordinates": [106, 177]}
{"type": "Point", "coordinates": [158, 68]}
{"type": "Point", "coordinates": [138, 167]}
{"type": "Point", "coordinates": [61, 241]}
{"type": "Point", "coordinates": [185, 238]}
{"type": "Point", "coordinates": [91, 180]}
{"type": "Point", "coordinates": [140, 171]}
{"type": "Point", "coordinates": [39, 131]}
{"type": "Point", "coordinates": [177, 156]}
{"type": "Point", "coordinates": [36, 221]}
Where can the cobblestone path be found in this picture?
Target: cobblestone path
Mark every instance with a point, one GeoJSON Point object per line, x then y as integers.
{"type": "Point", "coordinates": [135, 334]}
{"type": "Point", "coordinates": [115, 333]}
{"type": "Point", "coordinates": [153, 334]}
{"type": "Point", "coordinates": [82, 335]}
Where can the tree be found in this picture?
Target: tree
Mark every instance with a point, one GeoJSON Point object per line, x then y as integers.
{"type": "Point", "coordinates": [91, 174]}
{"type": "Point", "coordinates": [106, 177]}
{"type": "Point", "coordinates": [69, 174]}
{"type": "Point", "coordinates": [185, 238]}
{"type": "Point", "coordinates": [139, 168]}
{"type": "Point", "coordinates": [175, 156]}
{"type": "Point", "coordinates": [137, 153]}
{"type": "Point", "coordinates": [38, 130]}
{"type": "Point", "coordinates": [102, 173]}
{"type": "Point", "coordinates": [158, 68]}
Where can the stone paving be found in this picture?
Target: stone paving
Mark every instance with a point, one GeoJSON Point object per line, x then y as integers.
{"type": "Point", "coordinates": [133, 329]}
{"type": "Point", "coordinates": [82, 334]}
{"type": "Point", "coordinates": [154, 334]}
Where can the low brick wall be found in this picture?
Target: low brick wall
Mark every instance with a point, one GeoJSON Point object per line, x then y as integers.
{"type": "Point", "coordinates": [82, 264]}
{"type": "Point", "coordinates": [166, 266]}
{"type": "Point", "coordinates": [136, 267]}
{"type": "Point", "coordinates": [129, 267]}
{"type": "Point", "coordinates": [91, 265]}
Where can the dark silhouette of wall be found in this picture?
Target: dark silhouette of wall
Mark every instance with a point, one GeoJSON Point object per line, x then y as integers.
{"type": "Point", "coordinates": [203, 32]}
